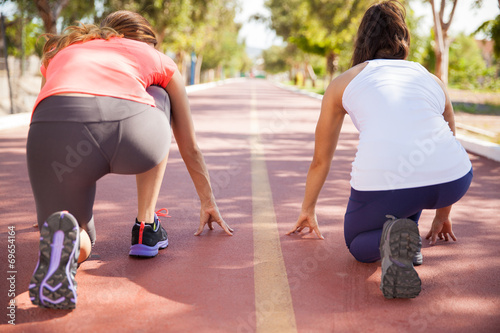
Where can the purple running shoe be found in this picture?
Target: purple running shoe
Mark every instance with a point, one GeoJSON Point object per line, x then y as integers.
{"type": "Point", "coordinates": [53, 282]}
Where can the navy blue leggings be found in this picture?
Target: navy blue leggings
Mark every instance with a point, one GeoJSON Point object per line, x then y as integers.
{"type": "Point", "coordinates": [366, 212]}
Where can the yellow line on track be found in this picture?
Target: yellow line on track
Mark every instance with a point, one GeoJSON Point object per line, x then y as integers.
{"type": "Point", "coordinates": [273, 301]}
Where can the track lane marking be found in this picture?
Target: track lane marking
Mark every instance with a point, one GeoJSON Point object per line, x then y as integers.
{"type": "Point", "coordinates": [273, 300]}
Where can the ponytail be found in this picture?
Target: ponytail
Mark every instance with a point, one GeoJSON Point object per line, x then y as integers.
{"type": "Point", "coordinates": [71, 35]}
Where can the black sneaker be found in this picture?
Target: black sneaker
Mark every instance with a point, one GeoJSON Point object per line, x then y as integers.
{"type": "Point", "coordinates": [53, 282]}
{"type": "Point", "coordinates": [148, 238]}
{"type": "Point", "coordinates": [398, 246]}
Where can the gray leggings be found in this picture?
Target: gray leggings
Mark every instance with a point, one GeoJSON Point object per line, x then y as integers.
{"type": "Point", "coordinates": [74, 141]}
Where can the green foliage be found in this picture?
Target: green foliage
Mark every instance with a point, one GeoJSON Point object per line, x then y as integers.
{"type": "Point", "coordinates": [279, 59]}
{"type": "Point", "coordinates": [467, 69]}
{"type": "Point", "coordinates": [206, 27]}
{"type": "Point", "coordinates": [320, 27]}
{"type": "Point", "coordinates": [492, 31]}
{"type": "Point", "coordinates": [224, 49]}
{"type": "Point", "coordinates": [332, 25]}
{"type": "Point", "coordinates": [418, 43]}
{"type": "Point", "coordinates": [318, 64]}
{"type": "Point", "coordinates": [217, 38]}
{"type": "Point", "coordinates": [428, 56]}
{"type": "Point", "coordinates": [171, 19]}
{"type": "Point", "coordinates": [15, 41]}
{"type": "Point", "coordinates": [74, 11]}
{"type": "Point", "coordinates": [275, 59]}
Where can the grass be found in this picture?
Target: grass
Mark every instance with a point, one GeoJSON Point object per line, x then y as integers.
{"type": "Point", "coordinates": [474, 108]}
{"type": "Point", "coordinates": [480, 136]}
{"type": "Point", "coordinates": [319, 89]}
{"type": "Point", "coordinates": [490, 107]}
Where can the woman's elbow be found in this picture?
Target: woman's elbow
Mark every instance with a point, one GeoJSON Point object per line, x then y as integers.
{"type": "Point", "coordinates": [320, 163]}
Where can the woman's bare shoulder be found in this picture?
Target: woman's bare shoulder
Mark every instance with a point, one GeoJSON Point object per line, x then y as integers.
{"type": "Point", "coordinates": [351, 73]}
{"type": "Point", "coordinates": [338, 85]}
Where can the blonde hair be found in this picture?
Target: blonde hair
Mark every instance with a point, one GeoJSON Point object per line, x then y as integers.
{"type": "Point", "coordinates": [74, 34]}
{"type": "Point", "coordinates": [122, 23]}
{"type": "Point", "coordinates": [131, 25]}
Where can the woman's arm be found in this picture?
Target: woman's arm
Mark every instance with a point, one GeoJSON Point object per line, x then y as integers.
{"type": "Point", "coordinates": [448, 114]}
{"type": "Point", "coordinates": [441, 225]}
{"type": "Point", "coordinates": [326, 137]}
{"type": "Point", "coordinates": [183, 128]}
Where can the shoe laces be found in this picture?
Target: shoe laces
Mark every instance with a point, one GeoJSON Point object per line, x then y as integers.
{"type": "Point", "coordinates": [159, 213]}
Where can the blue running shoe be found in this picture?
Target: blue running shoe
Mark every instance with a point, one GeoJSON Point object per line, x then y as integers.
{"type": "Point", "coordinates": [147, 239]}
{"type": "Point", "coordinates": [399, 244]}
{"type": "Point", "coordinates": [53, 282]}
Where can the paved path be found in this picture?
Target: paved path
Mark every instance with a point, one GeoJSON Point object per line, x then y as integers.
{"type": "Point", "coordinates": [257, 140]}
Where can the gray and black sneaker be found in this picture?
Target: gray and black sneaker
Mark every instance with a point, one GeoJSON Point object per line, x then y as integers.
{"type": "Point", "coordinates": [419, 258]}
{"type": "Point", "coordinates": [53, 283]}
{"type": "Point", "coordinates": [398, 246]}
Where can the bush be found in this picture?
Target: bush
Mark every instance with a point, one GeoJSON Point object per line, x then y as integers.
{"type": "Point", "coordinates": [467, 68]}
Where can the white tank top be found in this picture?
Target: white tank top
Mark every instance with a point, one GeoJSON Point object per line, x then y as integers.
{"type": "Point", "coordinates": [404, 141]}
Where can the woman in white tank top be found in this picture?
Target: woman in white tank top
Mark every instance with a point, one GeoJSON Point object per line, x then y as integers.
{"type": "Point", "coordinates": [408, 158]}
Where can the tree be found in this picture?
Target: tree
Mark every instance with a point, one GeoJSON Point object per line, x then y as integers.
{"type": "Point", "coordinates": [321, 27]}
{"type": "Point", "coordinates": [214, 28]}
{"type": "Point", "coordinates": [22, 36]}
{"type": "Point", "coordinates": [418, 42]}
{"type": "Point", "coordinates": [78, 11]}
{"type": "Point", "coordinates": [442, 40]}
{"type": "Point", "coordinates": [275, 59]}
{"type": "Point", "coordinates": [491, 29]}
{"type": "Point", "coordinates": [49, 12]}
{"type": "Point", "coordinates": [184, 26]}
{"type": "Point", "coordinates": [170, 19]}
{"type": "Point", "coordinates": [467, 66]}
{"type": "Point", "coordinates": [222, 49]}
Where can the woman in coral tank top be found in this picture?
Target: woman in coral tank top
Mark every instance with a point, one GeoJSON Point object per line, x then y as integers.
{"type": "Point", "coordinates": [108, 103]}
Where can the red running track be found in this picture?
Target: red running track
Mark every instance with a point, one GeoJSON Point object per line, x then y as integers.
{"type": "Point", "coordinates": [208, 283]}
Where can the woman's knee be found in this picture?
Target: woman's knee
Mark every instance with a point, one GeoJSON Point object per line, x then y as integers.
{"type": "Point", "coordinates": [364, 257]}
{"type": "Point", "coordinates": [365, 247]}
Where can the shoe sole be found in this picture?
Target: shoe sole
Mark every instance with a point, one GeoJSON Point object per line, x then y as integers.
{"type": "Point", "coordinates": [141, 250]}
{"type": "Point", "coordinates": [399, 277]}
{"type": "Point", "coordinates": [53, 283]}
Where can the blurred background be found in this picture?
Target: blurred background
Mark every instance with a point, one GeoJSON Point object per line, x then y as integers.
{"type": "Point", "coordinates": [305, 43]}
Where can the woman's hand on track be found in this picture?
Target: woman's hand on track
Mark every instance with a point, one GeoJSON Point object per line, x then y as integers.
{"type": "Point", "coordinates": [208, 214]}
{"type": "Point", "coordinates": [306, 221]}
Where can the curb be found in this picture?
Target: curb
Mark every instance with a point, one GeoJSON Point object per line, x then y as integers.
{"type": "Point", "coordinates": [479, 147]}
{"type": "Point", "coordinates": [14, 120]}
{"type": "Point", "coordinates": [297, 90]}
{"type": "Point", "coordinates": [23, 119]}
{"type": "Point", "coordinates": [483, 148]}
{"type": "Point", "coordinates": [203, 86]}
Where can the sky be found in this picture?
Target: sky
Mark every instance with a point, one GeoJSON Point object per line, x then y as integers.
{"type": "Point", "coordinates": [466, 20]}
